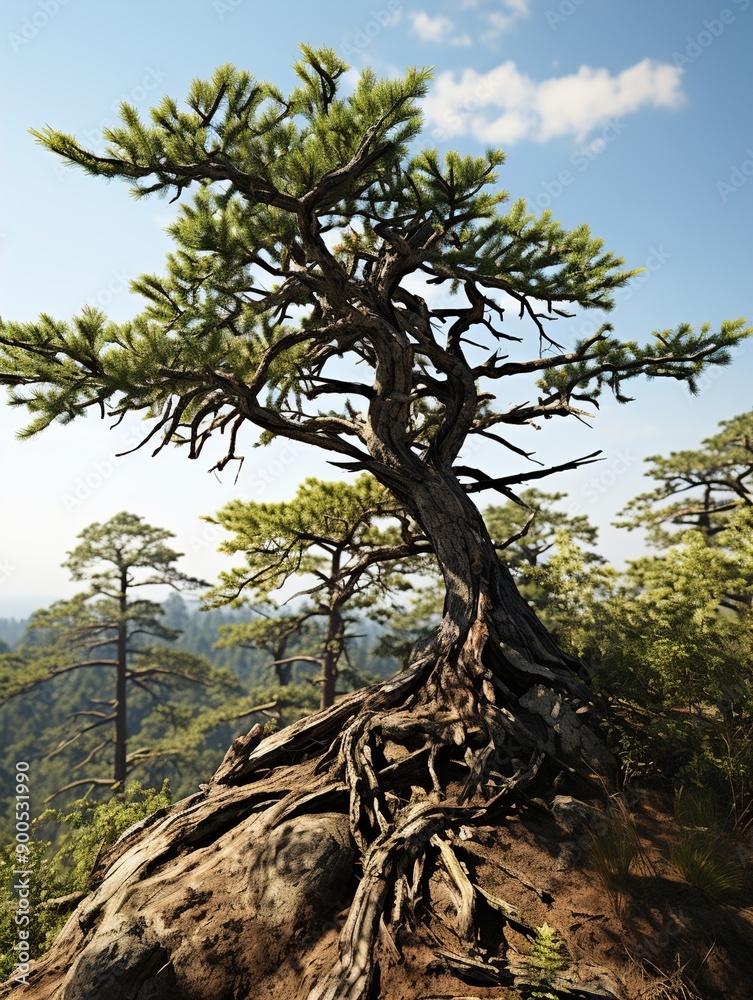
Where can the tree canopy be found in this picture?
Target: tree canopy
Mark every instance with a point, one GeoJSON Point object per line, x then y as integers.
{"type": "Point", "coordinates": [311, 214]}
{"type": "Point", "coordinates": [341, 538]}
{"type": "Point", "coordinates": [697, 488]}
{"type": "Point", "coordinates": [348, 544]}
{"type": "Point", "coordinates": [112, 556]}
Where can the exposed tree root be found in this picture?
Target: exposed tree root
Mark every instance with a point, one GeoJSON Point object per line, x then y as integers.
{"type": "Point", "coordinates": [377, 783]}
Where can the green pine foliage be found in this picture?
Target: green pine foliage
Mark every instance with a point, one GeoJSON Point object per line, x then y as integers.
{"type": "Point", "coordinates": [94, 826]}
{"type": "Point", "coordinates": [345, 537]}
{"type": "Point", "coordinates": [186, 741]}
{"type": "Point", "coordinates": [667, 632]}
{"type": "Point", "coordinates": [525, 534]}
{"type": "Point", "coordinates": [47, 883]}
{"type": "Point", "coordinates": [215, 347]}
{"type": "Point", "coordinates": [184, 732]}
{"type": "Point", "coordinates": [404, 624]}
{"type": "Point", "coordinates": [350, 549]}
{"type": "Point", "coordinates": [709, 483]}
{"type": "Point", "coordinates": [107, 633]}
{"type": "Point", "coordinates": [661, 629]}
{"type": "Point", "coordinates": [672, 653]}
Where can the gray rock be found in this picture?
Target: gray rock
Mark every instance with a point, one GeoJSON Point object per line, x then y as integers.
{"type": "Point", "coordinates": [572, 814]}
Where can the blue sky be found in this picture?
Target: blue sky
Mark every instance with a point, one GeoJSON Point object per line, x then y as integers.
{"type": "Point", "coordinates": [633, 117]}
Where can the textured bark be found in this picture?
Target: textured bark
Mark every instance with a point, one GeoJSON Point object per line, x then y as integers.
{"type": "Point", "coordinates": [121, 687]}
{"type": "Point", "coordinates": [331, 652]}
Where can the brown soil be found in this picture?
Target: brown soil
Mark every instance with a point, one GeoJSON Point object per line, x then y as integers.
{"type": "Point", "coordinates": [660, 939]}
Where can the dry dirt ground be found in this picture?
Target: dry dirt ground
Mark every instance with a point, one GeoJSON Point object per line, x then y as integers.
{"type": "Point", "coordinates": [484, 892]}
{"type": "Point", "coordinates": [658, 938]}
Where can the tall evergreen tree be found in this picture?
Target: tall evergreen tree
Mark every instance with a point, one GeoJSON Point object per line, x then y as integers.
{"type": "Point", "coordinates": [107, 626]}
{"type": "Point", "coordinates": [332, 537]}
{"type": "Point", "coordinates": [290, 304]}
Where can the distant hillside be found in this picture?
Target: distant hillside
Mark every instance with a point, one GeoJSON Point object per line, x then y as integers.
{"type": "Point", "coordinates": [11, 630]}
{"type": "Point", "coordinates": [200, 632]}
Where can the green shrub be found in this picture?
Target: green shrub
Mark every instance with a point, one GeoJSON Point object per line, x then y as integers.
{"type": "Point", "coordinates": [708, 867]}
{"type": "Point", "coordinates": [697, 808]}
{"type": "Point", "coordinates": [669, 643]}
{"type": "Point", "coordinates": [547, 958]}
{"type": "Point", "coordinates": [722, 761]}
{"type": "Point", "coordinates": [95, 826]}
{"type": "Point", "coordinates": [89, 828]}
{"type": "Point", "coordinates": [46, 882]}
{"type": "Point", "coordinates": [613, 849]}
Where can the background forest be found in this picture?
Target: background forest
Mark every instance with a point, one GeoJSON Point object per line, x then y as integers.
{"type": "Point", "coordinates": [668, 645]}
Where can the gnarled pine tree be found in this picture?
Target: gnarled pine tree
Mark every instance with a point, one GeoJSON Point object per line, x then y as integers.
{"type": "Point", "coordinates": [294, 282]}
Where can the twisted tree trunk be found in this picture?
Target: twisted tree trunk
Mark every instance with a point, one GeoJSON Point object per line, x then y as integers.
{"type": "Point", "coordinates": [121, 686]}
{"type": "Point", "coordinates": [331, 653]}
{"type": "Point", "coordinates": [338, 810]}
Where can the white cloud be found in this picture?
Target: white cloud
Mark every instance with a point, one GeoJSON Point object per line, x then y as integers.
{"type": "Point", "coordinates": [431, 29]}
{"type": "Point", "coordinates": [500, 20]}
{"type": "Point", "coordinates": [438, 29]}
{"type": "Point", "coordinates": [442, 29]}
{"type": "Point", "coordinates": [505, 106]}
